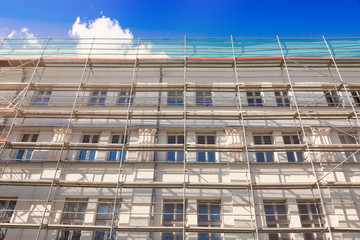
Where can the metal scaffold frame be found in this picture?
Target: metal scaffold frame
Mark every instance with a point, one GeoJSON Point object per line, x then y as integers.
{"type": "Point", "coordinates": [297, 113]}
{"type": "Point", "coordinates": [122, 164]}
{"type": "Point", "coordinates": [59, 167]}
{"type": "Point", "coordinates": [24, 93]}
{"type": "Point", "coordinates": [254, 223]}
{"type": "Point", "coordinates": [185, 149]}
{"type": "Point", "coordinates": [305, 139]}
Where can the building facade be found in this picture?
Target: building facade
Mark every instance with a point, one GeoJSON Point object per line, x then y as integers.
{"type": "Point", "coordinates": [179, 139]}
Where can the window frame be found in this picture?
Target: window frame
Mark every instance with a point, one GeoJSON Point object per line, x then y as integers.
{"type": "Point", "coordinates": [41, 98]}
{"type": "Point", "coordinates": [119, 155]}
{"type": "Point", "coordinates": [88, 155]}
{"type": "Point", "coordinates": [333, 98]}
{"type": "Point", "coordinates": [355, 94]}
{"type": "Point", "coordinates": [293, 140]}
{"type": "Point", "coordinates": [70, 234]}
{"type": "Point", "coordinates": [266, 156]}
{"type": "Point", "coordinates": [206, 157]}
{"type": "Point", "coordinates": [208, 203]}
{"type": "Point", "coordinates": [108, 220]}
{"type": "Point", "coordinates": [176, 100]}
{"type": "Point", "coordinates": [7, 214]}
{"type": "Point", "coordinates": [254, 100]}
{"type": "Point", "coordinates": [174, 222]}
{"type": "Point", "coordinates": [97, 98]}
{"type": "Point", "coordinates": [127, 97]}
{"type": "Point", "coordinates": [26, 154]}
{"type": "Point", "coordinates": [279, 223]}
{"type": "Point", "coordinates": [346, 139]}
{"type": "Point", "coordinates": [282, 99]}
{"type": "Point", "coordinates": [318, 221]}
{"type": "Point", "coordinates": [204, 99]}
{"type": "Point", "coordinates": [178, 156]}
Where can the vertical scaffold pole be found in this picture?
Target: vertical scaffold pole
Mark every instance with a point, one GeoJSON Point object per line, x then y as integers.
{"type": "Point", "coordinates": [347, 93]}
{"type": "Point", "coordinates": [3, 41]}
{"type": "Point", "coordinates": [254, 223]}
{"type": "Point", "coordinates": [343, 83]}
{"type": "Point", "coordinates": [22, 99]}
{"type": "Point", "coordinates": [122, 163]}
{"type": "Point", "coordinates": [298, 115]}
{"type": "Point", "coordinates": [59, 160]}
{"type": "Point", "coordinates": [185, 145]}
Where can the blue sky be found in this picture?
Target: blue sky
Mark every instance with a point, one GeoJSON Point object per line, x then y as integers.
{"type": "Point", "coordinates": [196, 18]}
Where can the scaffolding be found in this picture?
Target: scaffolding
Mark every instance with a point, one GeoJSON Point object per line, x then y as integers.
{"type": "Point", "coordinates": [317, 87]}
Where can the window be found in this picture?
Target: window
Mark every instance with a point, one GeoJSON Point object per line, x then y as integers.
{"type": "Point", "coordinates": [293, 156]}
{"type": "Point", "coordinates": [276, 217]}
{"type": "Point", "coordinates": [209, 215]}
{"type": "Point", "coordinates": [175, 99]}
{"type": "Point", "coordinates": [311, 216]}
{"type": "Point", "coordinates": [74, 214]}
{"type": "Point", "coordinates": [125, 98]}
{"type": "Point", "coordinates": [254, 98]}
{"type": "Point", "coordinates": [348, 139]}
{"type": "Point", "coordinates": [173, 216]}
{"type": "Point", "coordinates": [206, 156]}
{"type": "Point", "coordinates": [263, 156]}
{"type": "Point", "coordinates": [282, 99]}
{"type": "Point", "coordinates": [333, 98]}
{"type": "Point", "coordinates": [26, 154]}
{"type": "Point", "coordinates": [7, 207]}
{"type": "Point", "coordinates": [97, 99]}
{"type": "Point", "coordinates": [41, 98]}
{"type": "Point", "coordinates": [105, 214]}
{"type": "Point", "coordinates": [115, 156]}
{"type": "Point", "coordinates": [203, 99]}
{"type": "Point", "coordinates": [175, 156]}
{"type": "Point", "coordinates": [88, 155]}
{"type": "Point", "coordinates": [356, 97]}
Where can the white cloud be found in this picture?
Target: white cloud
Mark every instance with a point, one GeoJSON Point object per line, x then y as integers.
{"type": "Point", "coordinates": [102, 27]}
{"type": "Point", "coordinates": [22, 33]}
{"type": "Point", "coordinates": [121, 45]}
{"type": "Point", "coordinates": [12, 34]}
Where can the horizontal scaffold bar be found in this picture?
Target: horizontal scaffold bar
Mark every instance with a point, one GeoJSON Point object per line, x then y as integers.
{"type": "Point", "coordinates": [178, 62]}
{"type": "Point", "coordinates": [180, 147]}
{"type": "Point", "coordinates": [194, 229]}
{"type": "Point", "coordinates": [170, 87]}
{"type": "Point", "coordinates": [101, 113]}
{"type": "Point", "coordinates": [179, 185]}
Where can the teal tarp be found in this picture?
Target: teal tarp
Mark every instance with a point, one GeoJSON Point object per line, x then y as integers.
{"type": "Point", "coordinates": [178, 48]}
